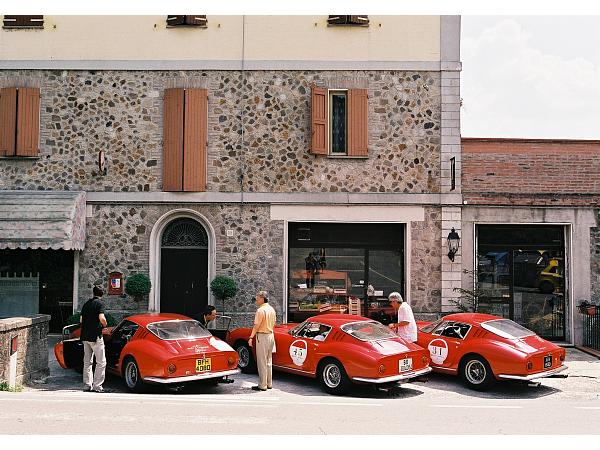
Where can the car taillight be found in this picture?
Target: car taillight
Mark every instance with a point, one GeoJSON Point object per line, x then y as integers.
{"type": "Point", "coordinates": [529, 365]}
{"type": "Point", "coordinates": [171, 368]}
{"type": "Point", "coordinates": [562, 356]}
{"type": "Point", "coordinates": [381, 369]}
{"type": "Point", "coordinates": [425, 359]}
{"type": "Point", "coordinates": [231, 361]}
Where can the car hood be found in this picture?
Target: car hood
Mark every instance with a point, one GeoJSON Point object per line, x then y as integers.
{"type": "Point", "coordinates": [184, 347]}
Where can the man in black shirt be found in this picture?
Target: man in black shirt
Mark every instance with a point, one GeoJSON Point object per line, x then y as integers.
{"type": "Point", "coordinates": [92, 321]}
{"type": "Point", "coordinates": [210, 313]}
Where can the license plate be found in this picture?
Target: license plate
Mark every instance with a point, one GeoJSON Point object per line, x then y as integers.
{"type": "Point", "coordinates": [405, 364]}
{"type": "Point", "coordinates": [547, 361]}
{"type": "Point", "coordinates": [203, 365]}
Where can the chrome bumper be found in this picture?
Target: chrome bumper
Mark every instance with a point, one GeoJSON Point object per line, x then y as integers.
{"type": "Point", "coordinates": [533, 376]}
{"type": "Point", "coordinates": [401, 377]}
{"type": "Point", "coordinates": [202, 376]}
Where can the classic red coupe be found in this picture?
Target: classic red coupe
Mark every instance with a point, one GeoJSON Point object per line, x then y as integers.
{"type": "Point", "coordinates": [338, 349]}
{"type": "Point", "coordinates": [157, 348]}
{"type": "Point", "coordinates": [482, 349]}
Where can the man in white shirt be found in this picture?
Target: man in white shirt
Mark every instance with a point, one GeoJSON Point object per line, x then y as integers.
{"type": "Point", "coordinates": [406, 326]}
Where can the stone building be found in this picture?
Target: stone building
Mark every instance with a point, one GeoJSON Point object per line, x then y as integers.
{"type": "Point", "coordinates": [315, 157]}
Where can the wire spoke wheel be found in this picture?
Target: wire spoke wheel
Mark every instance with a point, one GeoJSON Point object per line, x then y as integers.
{"type": "Point", "coordinates": [244, 356]}
{"type": "Point", "coordinates": [475, 372]}
{"type": "Point", "coordinates": [332, 376]}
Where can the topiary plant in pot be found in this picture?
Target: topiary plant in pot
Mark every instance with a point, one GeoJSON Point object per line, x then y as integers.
{"type": "Point", "coordinates": [223, 288]}
{"type": "Point", "coordinates": [138, 286]}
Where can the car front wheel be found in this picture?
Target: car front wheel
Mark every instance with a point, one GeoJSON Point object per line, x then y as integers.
{"type": "Point", "coordinates": [131, 375]}
{"type": "Point", "coordinates": [477, 373]}
{"type": "Point", "coordinates": [246, 362]}
{"type": "Point", "coordinates": [333, 377]}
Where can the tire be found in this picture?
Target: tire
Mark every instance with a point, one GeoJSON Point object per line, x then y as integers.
{"type": "Point", "coordinates": [476, 373]}
{"type": "Point", "coordinates": [246, 363]}
{"type": "Point", "coordinates": [333, 377]}
{"type": "Point", "coordinates": [131, 375]}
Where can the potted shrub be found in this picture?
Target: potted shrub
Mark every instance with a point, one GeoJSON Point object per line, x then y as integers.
{"type": "Point", "coordinates": [586, 307]}
{"type": "Point", "coordinates": [138, 286]}
{"type": "Point", "coordinates": [223, 288]}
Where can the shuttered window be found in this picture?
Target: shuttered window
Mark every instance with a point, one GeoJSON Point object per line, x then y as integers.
{"type": "Point", "coordinates": [193, 20]}
{"type": "Point", "coordinates": [23, 22]}
{"type": "Point", "coordinates": [185, 136]}
{"type": "Point", "coordinates": [340, 122]}
{"type": "Point", "coordinates": [360, 20]}
{"type": "Point", "coordinates": [19, 121]}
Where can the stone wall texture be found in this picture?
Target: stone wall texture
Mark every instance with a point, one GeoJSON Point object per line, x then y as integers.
{"type": "Point", "coordinates": [120, 112]}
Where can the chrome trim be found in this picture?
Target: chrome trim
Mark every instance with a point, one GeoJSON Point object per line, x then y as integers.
{"type": "Point", "coordinates": [548, 373]}
{"type": "Point", "coordinates": [400, 377]}
{"type": "Point", "coordinates": [202, 376]}
{"type": "Point", "coordinates": [284, 368]}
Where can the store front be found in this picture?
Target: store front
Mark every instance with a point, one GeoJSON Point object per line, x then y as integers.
{"type": "Point", "coordinates": [521, 274]}
{"type": "Point", "coordinates": [344, 268]}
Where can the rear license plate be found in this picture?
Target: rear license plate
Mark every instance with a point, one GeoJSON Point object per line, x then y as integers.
{"type": "Point", "coordinates": [547, 361]}
{"type": "Point", "coordinates": [203, 365]}
{"type": "Point", "coordinates": [405, 365]}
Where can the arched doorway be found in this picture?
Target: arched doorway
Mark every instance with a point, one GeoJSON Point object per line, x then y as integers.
{"type": "Point", "coordinates": [184, 267]}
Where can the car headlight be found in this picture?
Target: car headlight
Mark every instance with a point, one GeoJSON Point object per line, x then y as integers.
{"type": "Point", "coordinates": [171, 368]}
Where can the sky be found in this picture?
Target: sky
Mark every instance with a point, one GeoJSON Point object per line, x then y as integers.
{"type": "Point", "coordinates": [530, 76]}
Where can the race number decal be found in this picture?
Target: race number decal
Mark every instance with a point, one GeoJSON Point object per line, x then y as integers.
{"type": "Point", "coordinates": [298, 352]}
{"type": "Point", "coordinates": [438, 349]}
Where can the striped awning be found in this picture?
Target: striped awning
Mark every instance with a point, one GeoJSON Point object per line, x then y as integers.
{"type": "Point", "coordinates": [42, 219]}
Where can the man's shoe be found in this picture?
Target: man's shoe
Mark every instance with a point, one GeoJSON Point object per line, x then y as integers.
{"type": "Point", "coordinates": [99, 390]}
{"type": "Point", "coordinates": [269, 387]}
{"type": "Point", "coordinates": [87, 388]}
{"type": "Point", "coordinates": [257, 388]}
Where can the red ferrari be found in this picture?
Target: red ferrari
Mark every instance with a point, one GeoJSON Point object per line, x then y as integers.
{"type": "Point", "coordinates": [157, 348]}
{"type": "Point", "coordinates": [338, 349]}
{"type": "Point", "coordinates": [482, 349]}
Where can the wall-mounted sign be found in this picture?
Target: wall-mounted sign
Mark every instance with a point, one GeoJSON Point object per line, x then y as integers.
{"type": "Point", "coordinates": [115, 283]}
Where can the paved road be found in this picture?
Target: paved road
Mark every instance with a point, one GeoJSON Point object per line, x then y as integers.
{"type": "Point", "coordinates": [298, 406]}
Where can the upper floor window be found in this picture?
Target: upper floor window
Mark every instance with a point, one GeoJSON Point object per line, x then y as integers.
{"type": "Point", "coordinates": [23, 22]}
{"type": "Point", "coordinates": [362, 21]}
{"type": "Point", "coordinates": [340, 122]}
{"type": "Point", "coordinates": [19, 121]}
{"type": "Point", "coordinates": [191, 21]}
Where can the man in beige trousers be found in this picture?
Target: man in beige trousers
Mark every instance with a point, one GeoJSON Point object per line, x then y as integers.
{"type": "Point", "coordinates": [262, 334]}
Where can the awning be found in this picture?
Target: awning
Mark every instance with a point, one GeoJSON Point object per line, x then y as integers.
{"type": "Point", "coordinates": [42, 219]}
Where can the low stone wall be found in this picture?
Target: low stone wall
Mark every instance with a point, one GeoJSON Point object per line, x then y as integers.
{"type": "Point", "coordinates": [32, 347]}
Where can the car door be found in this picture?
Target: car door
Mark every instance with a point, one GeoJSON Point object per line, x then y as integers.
{"type": "Point", "coordinates": [120, 336]}
{"type": "Point", "coordinates": [284, 353]}
{"type": "Point", "coordinates": [314, 334]}
{"type": "Point", "coordinates": [445, 342]}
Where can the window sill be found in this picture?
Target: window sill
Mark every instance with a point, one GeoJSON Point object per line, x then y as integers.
{"type": "Point", "coordinates": [27, 27]}
{"type": "Point", "coordinates": [345, 157]}
{"type": "Point", "coordinates": [21, 158]}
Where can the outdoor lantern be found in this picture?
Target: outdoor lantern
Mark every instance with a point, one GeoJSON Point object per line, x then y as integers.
{"type": "Point", "coordinates": [453, 244]}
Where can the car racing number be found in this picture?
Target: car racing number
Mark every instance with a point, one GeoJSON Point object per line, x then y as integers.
{"type": "Point", "coordinates": [298, 352]}
{"type": "Point", "coordinates": [438, 349]}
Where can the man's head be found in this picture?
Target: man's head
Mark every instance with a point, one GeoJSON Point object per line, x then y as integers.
{"type": "Point", "coordinates": [210, 313]}
{"type": "Point", "coordinates": [98, 292]}
{"type": "Point", "coordinates": [395, 299]}
{"type": "Point", "coordinates": [261, 297]}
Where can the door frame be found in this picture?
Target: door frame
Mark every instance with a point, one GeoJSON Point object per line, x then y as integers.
{"type": "Point", "coordinates": [155, 252]}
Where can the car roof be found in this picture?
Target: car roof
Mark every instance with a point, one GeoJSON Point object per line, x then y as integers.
{"type": "Point", "coordinates": [145, 319]}
{"type": "Point", "coordinates": [473, 318]}
{"type": "Point", "coordinates": [337, 319]}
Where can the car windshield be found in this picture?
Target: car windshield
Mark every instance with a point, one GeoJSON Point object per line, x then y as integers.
{"type": "Point", "coordinates": [430, 327]}
{"type": "Point", "coordinates": [507, 329]}
{"type": "Point", "coordinates": [178, 329]}
{"type": "Point", "coordinates": [368, 331]}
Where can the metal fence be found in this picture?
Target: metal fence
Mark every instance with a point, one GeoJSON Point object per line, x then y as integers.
{"type": "Point", "coordinates": [591, 331]}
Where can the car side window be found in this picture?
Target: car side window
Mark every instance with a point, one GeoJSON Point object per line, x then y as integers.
{"type": "Point", "coordinates": [456, 330]}
{"type": "Point", "coordinates": [315, 330]}
{"type": "Point", "coordinates": [440, 328]}
{"type": "Point", "coordinates": [125, 330]}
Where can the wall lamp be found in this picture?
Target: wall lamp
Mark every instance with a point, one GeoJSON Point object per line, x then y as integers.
{"type": "Point", "coordinates": [453, 244]}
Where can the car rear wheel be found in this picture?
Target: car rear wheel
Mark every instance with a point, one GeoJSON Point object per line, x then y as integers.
{"type": "Point", "coordinates": [477, 373]}
{"type": "Point", "coordinates": [333, 377]}
{"type": "Point", "coordinates": [131, 375]}
{"type": "Point", "coordinates": [246, 362]}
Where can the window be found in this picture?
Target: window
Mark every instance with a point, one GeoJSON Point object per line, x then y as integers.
{"type": "Point", "coordinates": [452, 173]}
{"type": "Point", "coordinates": [23, 22]}
{"type": "Point", "coordinates": [368, 331]}
{"type": "Point", "coordinates": [454, 330]}
{"type": "Point", "coordinates": [185, 135]}
{"type": "Point", "coordinates": [19, 121]}
{"type": "Point", "coordinates": [314, 330]}
{"type": "Point", "coordinates": [193, 20]}
{"type": "Point", "coordinates": [340, 122]}
{"type": "Point", "coordinates": [178, 329]}
{"type": "Point", "coordinates": [361, 20]}
{"type": "Point", "coordinates": [507, 329]}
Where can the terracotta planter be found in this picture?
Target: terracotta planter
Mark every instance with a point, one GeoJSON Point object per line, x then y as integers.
{"type": "Point", "coordinates": [587, 310]}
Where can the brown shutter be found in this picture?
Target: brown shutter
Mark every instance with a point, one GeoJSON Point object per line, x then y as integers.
{"type": "Point", "coordinates": [358, 122]}
{"type": "Point", "coordinates": [23, 21]}
{"type": "Point", "coordinates": [8, 121]}
{"type": "Point", "coordinates": [194, 141]}
{"type": "Point", "coordinates": [28, 121]}
{"type": "Point", "coordinates": [319, 112]}
{"type": "Point", "coordinates": [173, 21]}
{"type": "Point", "coordinates": [173, 140]}
{"type": "Point", "coordinates": [194, 20]}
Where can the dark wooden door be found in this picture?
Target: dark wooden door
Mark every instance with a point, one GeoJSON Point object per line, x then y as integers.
{"type": "Point", "coordinates": [183, 283]}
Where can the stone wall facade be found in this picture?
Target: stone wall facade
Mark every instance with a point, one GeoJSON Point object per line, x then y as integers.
{"type": "Point", "coordinates": [32, 347]}
{"type": "Point", "coordinates": [120, 112]}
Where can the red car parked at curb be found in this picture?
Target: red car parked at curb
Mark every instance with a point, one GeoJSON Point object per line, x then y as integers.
{"type": "Point", "coordinates": [158, 349]}
{"type": "Point", "coordinates": [482, 349]}
{"type": "Point", "coordinates": [338, 349]}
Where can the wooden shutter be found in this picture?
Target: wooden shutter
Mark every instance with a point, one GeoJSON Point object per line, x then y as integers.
{"type": "Point", "coordinates": [194, 142]}
{"type": "Point", "coordinates": [8, 121]}
{"type": "Point", "coordinates": [319, 112]}
{"type": "Point", "coordinates": [358, 122]}
{"type": "Point", "coordinates": [28, 121]}
{"type": "Point", "coordinates": [195, 20]}
{"type": "Point", "coordinates": [360, 20]}
{"type": "Point", "coordinates": [23, 21]}
{"type": "Point", "coordinates": [173, 140]}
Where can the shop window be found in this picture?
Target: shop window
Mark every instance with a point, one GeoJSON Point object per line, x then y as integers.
{"type": "Point", "coordinates": [193, 20]}
{"type": "Point", "coordinates": [361, 20]}
{"type": "Point", "coordinates": [23, 22]}
{"type": "Point", "coordinates": [19, 121]}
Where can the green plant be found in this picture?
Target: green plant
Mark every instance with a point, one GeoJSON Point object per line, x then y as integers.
{"type": "Point", "coordinates": [74, 318]}
{"type": "Point", "coordinates": [223, 288]}
{"type": "Point", "coordinates": [138, 285]}
{"type": "Point", "coordinates": [468, 301]}
{"type": "Point", "coordinates": [5, 387]}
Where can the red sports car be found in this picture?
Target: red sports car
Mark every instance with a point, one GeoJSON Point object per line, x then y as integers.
{"type": "Point", "coordinates": [482, 348]}
{"type": "Point", "coordinates": [157, 348]}
{"type": "Point", "coordinates": [339, 349]}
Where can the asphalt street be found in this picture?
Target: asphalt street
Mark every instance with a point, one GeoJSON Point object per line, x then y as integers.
{"type": "Point", "coordinates": [298, 406]}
